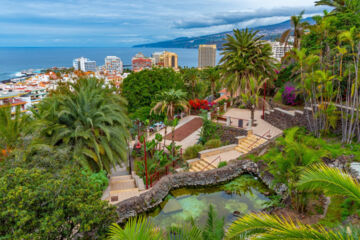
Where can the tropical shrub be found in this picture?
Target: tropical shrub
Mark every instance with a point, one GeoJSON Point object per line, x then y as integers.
{"type": "Point", "coordinates": [212, 143]}
{"type": "Point", "coordinates": [193, 151]}
{"type": "Point", "coordinates": [209, 130]}
{"type": "Point", "coordinates": [36, 204]}
{"type": "Point", "coordinates": [140, 88]}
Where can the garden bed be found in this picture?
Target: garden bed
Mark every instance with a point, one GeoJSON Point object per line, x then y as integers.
{"type": "Point", "coordinates": [185, 130]}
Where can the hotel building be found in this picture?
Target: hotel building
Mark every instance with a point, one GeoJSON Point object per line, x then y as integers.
{"type": "Point", "coordinates": [84, 64]}
{"type": "Point", "coordinates": [140, 62]}
{"type": "Point", "coordinates": [166, 59]}
{"type": "Point", "coordinates": [207, 55]}
{"type": "Point", "coordinates": [279, 49]}
{"type": "Point", "coordinates": [113, 64]}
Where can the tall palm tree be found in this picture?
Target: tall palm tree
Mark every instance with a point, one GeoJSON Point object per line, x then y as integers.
{"type": "Point", "coordinates": [245, 55]}
{"type": "Point", "coordinates": [331, 181]}
{"type": "Point", "coordinates": [91, 119]}
{"type": "Point", "coordinates": [12, 128]}
{"type": "Point", "coordinates": [298, 28]}
{"type": "Point", "coordinates": [169, 101]}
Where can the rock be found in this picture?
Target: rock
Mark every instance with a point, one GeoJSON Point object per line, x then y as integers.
{"type": "Point", "coordinates": [172, 206]}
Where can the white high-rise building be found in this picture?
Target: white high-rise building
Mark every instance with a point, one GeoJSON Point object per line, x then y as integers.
{"type": "Point", "coordinates": [279, 49]}
{"type": "Point", "coordinates": [113, 64]}
{"type": "Point", "coordinates": [84, 64]}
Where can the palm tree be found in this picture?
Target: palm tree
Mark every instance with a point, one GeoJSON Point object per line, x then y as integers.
{"type": "Point", "coordinates": [245, 55]}
{"type": "Point", "coordinates": [91, 119]}
{"type": "Point", "coordinates": [250, 97]}
{"type": "Point", "coordinates": [319, 177]}
{"type": "Point", "coordinates": [140, 229]}
{"type": "Point", "coordinates": [330, 180]}
{"type": "Point", "coordinates": [169, 101]}
{"type": "Point", "coordinates": [191, 78]}
{"type": "Point", "coordinates": [340, 6]}
{"type": "Point", "coordinates": [212, 75]}
{"type": "Point", "coordinates": [12, 128]}
{"type": "Point", "coordinates": [297, 28]}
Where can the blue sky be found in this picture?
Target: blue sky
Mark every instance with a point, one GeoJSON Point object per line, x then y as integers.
{"type": "Point", "coordinates": [121, 23]}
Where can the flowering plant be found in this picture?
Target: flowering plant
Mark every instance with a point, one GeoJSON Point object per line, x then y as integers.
{"type": "Point", "coordinates": [197, 104]}
{"type": "Point", "coordinates": [289, 96]}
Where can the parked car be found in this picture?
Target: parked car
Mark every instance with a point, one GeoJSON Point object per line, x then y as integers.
{"type": "Point", "coordinates": [156, 126]}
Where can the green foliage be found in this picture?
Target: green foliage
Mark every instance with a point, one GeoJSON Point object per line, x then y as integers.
{"type": "Point", "coordinates": [170, 101]}
{"type": "Point", "coordinates": [244, 184]}
{"type": "Point", "coordinates": [214, 228]}
{"type": "Point", "coordinates": [91, 119]}
{"type": "Point", "coordinates": [35, 204]}
{"type": "Point", "coordinates": [192, 151]}
{"type": "Point", "coordinates": [140, 88]}
{"type": "Point", "coordinates": [98, 179]}
{"type": "Point", "coordinates": [212, 143]}
{"type": "Point", "coordinates": [209, 130]}
{"type": "Point", "coordinates": [222, 164]}
{"type": "Point", "coordinates": [278, 95]}
{"type": "Point", "coordinates": [12, 128]}
{"type": "Point", "coordinates": [140, 229]}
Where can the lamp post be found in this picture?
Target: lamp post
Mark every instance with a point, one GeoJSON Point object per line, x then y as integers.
{"type": "Point", "coordinates": [146, 172]}
{"type": "Point", "coordinates": [263, 115]}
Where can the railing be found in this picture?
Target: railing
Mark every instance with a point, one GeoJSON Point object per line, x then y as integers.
{"type": "Point", "coordinates": [262, 136]}
{"type": "Point", "coordinates": [218, 157]}
{"type": "Point", "coordinates": [155, 177]}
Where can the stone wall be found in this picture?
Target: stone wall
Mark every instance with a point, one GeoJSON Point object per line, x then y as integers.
{"type": "Point", "coordinates": [152, 198]}
{"type": "Point", "coordinates": [283, 119]}
{"type": "Point", "coordinates": [229, 134]}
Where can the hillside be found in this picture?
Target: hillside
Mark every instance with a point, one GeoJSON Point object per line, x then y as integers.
{"type": "Point", "coordinates": [270, 32]}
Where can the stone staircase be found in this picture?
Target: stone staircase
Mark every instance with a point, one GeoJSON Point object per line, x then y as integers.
{"type": "Point", "coordinates": [202, 165]}
{"type": "Point", "coordinates": [249, 142]}
{"type": "Point", "coordinates": [209, 159]}
{"type": "Point", "coordinates": [121, 188]}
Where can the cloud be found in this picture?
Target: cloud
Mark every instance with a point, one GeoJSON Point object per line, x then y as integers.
{"type": "Point", "coordinates": [235, 17]}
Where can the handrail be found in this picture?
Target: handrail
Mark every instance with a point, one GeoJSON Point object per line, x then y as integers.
{"type": "Point", "coordinates": [262, 136]}
{"type": "Point", "coordinates": [210, 163]}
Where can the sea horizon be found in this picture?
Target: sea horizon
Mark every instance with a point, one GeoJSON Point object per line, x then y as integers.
{"type": "Point", "coordinates": [14, 60]}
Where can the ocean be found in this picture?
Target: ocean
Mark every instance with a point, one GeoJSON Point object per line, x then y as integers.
{"type": "Point", "coordinates": [16, 59]}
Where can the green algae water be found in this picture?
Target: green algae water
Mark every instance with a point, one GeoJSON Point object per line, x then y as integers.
{"type": "Point", "coordinates": [242, 195]}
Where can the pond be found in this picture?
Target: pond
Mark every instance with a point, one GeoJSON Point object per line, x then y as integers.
{"type": "Point", "coordinates": [242, 195]}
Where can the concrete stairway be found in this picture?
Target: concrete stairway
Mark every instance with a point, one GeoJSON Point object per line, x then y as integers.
{"type": "Point", "coordinates": [249, 142]}
{"type": "Point", "coordinates": [202, 165]}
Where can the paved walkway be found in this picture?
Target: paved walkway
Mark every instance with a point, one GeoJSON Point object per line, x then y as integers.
{"type": "Point", "coordinates": [191, 140]}
{"type": "Point", "coordinates": [261, 127]}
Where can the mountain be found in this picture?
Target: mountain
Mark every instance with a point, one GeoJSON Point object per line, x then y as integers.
{"type": "Point", "coordinates": [270, 32]}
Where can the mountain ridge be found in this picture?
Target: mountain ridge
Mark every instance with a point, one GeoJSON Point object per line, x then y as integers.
{"type": "Point", "coordinates": [270, 32]}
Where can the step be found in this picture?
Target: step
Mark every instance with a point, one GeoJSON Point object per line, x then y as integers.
{"type": "Point", "coordinates": [122, 184]}
{"type": "Point", "coordinates": [123, 177]}
{"type": "Point", "coordinates": [205, 163]}
{"type": "Point", "coordinates": [240, 150]}
{"type": "Point", "coordinates": [118, 192]}
{"type": "Point", "coordinates": [244, 149]}
{"type": "Point", "coordinates": [195, 168]}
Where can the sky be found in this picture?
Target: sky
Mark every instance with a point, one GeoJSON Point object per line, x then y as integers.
{"type": "Point", "coordinates": [123, 23]}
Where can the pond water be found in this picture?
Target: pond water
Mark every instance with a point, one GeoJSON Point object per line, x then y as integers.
{"type": "Point", "coordinates": [244, 194]}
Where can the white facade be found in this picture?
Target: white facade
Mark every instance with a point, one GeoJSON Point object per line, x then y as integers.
{"type": "Point", "coordinates": [113, 64]}
{"type": "Point", "coordinates": [84, 64]}
{"type": "Point", "coordinates": [279, 49]}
